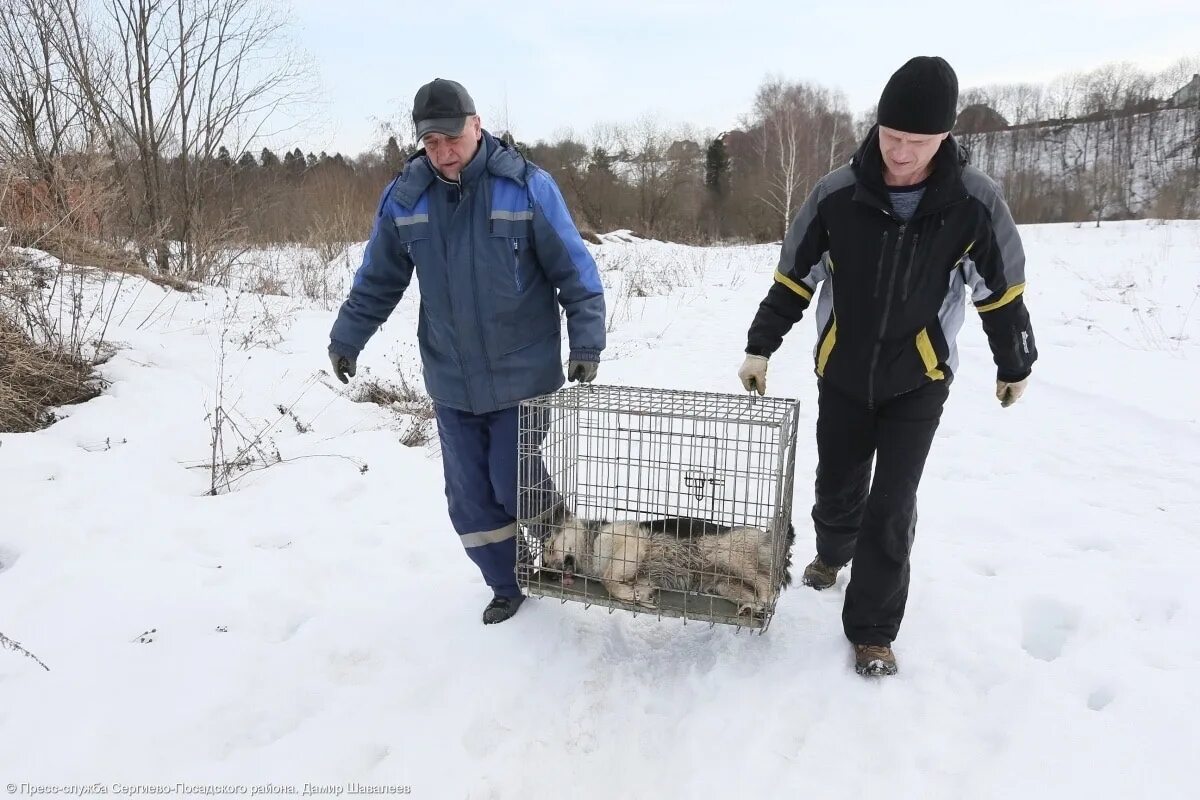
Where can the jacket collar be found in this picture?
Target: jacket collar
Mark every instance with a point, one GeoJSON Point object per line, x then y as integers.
{"type": "Point", "coordinates": [494, 156]}
{"type": "Point", "coordinates": [945, 184]}
{"type": "Point", "coordinates": [475, 167]}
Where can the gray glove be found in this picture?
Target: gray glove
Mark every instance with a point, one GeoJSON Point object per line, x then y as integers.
{"type": "Point", "coordinates": [342, 366]}
{"type": "Point", "coordinates": [1008, 393]}
{"type": "Point", "coordinates": [582, 371]}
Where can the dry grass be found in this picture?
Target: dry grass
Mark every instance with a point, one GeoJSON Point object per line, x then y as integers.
{"type": "Point", "coordinates": [50, 340]}
{"type": "Point", "coordinates": [8, 644]}
{"type": "Point", "coordinates": [35, 379]}
{"type": "Point", "coordinates": [264, 283]}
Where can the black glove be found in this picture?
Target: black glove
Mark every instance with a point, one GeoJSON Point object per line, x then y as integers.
{"type": "Point", "coordinates": [582, 371]}
{"type": "Point", "coordinates": [342, 366]}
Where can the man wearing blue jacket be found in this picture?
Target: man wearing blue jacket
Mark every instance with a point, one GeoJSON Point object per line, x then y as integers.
{"type": "Point", "coordinates": [496, 253]}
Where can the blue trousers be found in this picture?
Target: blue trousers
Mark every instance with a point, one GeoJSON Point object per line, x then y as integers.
{"type": "Point", "coordinates": [480, 460]}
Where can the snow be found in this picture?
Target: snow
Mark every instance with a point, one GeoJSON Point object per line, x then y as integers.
{"type": "Point", "coordinates": [320, 623]}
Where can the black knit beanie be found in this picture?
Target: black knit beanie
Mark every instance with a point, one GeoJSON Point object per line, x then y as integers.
{"type": "Point", "coordinates": [920, 97]}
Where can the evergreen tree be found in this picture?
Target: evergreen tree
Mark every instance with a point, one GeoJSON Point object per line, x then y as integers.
{"type": "Point", "coordinates": [716, 168]}
{"type": "Point", "coordinates": [600, 162]}
{"type": "Point", "coordinates": [393, 158]}
{"type": "Point", "coordinates": [294, 162]}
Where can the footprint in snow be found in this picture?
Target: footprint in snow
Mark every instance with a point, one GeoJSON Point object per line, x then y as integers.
{"type": "Point", "coordinates": [1099, 699]}
{"type": "Point", "coordinates": [1046, 626]}
{"type": "Point", "coordinates": [7, 558]}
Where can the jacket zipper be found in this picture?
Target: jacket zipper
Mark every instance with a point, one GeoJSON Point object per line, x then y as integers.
{"type": "Point", "coordinates": [879, 267]}
{"type": "Point", "coordinates": [883, 318]}
{"type": "Point", "coordinates": [478, 318]}
{"type": "Point", "coordinates": [912, 254]}
{"type": "Point", "coordinates": [517, 264]}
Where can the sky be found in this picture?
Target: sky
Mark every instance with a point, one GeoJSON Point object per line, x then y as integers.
{"type": "Point", "coordinates": [546, 68]}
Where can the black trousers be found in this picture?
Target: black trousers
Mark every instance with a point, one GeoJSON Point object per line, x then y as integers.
{"type": "Point", "coordinates": [872, 520]}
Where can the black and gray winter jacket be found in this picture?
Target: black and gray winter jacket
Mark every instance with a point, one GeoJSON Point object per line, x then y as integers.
{"type": "Point", "coordinates": [893, 294]}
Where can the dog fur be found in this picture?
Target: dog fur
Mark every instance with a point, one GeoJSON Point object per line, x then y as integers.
{"type": "Point", "coordinates": [636, 559]}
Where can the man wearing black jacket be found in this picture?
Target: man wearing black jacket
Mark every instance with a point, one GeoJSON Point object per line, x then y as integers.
{"type": "Point", "coordinates": [897, 240]}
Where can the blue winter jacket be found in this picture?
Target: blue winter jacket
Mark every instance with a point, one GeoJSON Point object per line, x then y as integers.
{"type": "Point", "coordinates": [495, 255]}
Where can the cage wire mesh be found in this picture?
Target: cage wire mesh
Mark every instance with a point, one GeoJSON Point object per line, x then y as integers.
{"type": "Point", "coordinates": [658, 501]}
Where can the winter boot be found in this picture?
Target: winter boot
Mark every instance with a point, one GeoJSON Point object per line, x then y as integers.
{"type": "Point", "coordinates": [501, 608]}
{"type": "Point", "coordinates": [820, 575]}
{"type": "Point", "coordinates": [874, 660]}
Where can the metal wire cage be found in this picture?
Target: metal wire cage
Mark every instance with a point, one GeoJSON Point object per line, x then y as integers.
{"type": "Point", "coordinates": [671, 503]}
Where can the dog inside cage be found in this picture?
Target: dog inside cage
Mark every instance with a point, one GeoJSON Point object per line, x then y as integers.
{"type": "Point", "coordinates": [657, 501]}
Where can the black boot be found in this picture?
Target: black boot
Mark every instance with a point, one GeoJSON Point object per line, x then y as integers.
{"type": "Point", "coordinates": [501, 608]}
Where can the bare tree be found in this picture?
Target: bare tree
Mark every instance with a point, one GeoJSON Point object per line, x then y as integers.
{"type": "Point", "coordinates": [1101, 187]}
{"type": "Point", "coordinates": [169, 82]}
{"type": "Point", "coordinates": [39, 121]}
{"type": "Point", "coordinates": [1027, 103]}
{"type": "Point", "coordinates": [658, 165]}
{"type": "Point", "coordinates": [595, 180]}
{"type": "Point", "coordinates": [222, 99]}
{"type": "Point", "coordinates": [1171, 79]}
{"type": "Point", "coordinates": [780, 118]}
{"type": "Point", "coordinates": [798, 130]}
{"type": "Point", "coordinates": [398, 126]}
{"type": "Point", "coordinates": [1063, 96]}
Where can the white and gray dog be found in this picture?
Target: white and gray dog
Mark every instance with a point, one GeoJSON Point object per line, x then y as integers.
{"type": "Point", "coordinates": [636, 559]}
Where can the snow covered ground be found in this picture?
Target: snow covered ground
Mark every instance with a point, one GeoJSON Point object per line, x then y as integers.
{"type": "Point", "coordinates": [320, 623]}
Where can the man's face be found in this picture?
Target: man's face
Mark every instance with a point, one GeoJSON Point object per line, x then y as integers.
{"type": "Point", "coordinates": [451, 153]}
{"type": "Point", "coordinates": [906, 156]}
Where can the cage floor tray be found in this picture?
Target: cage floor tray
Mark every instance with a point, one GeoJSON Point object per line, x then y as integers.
{"type": "Point", "coordinates": [686, 605]}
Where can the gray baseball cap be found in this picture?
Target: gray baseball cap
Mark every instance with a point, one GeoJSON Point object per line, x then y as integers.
{"type": "Point", "coordinates": [442, 106]}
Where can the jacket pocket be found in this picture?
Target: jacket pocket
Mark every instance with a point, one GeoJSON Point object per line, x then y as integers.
{"type": "Point", "coordinates": [929, 356]}
{"type": "Point", "coordinates": [534, 340]}
{"type": "Point", "coordinates": [414, 240]}
{"type": "Point", "coordinates": [826, 346]}
{"type": "Point", "coordinates": [513, 240]}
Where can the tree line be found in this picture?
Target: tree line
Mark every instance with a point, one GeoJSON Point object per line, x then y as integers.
{"type": "Point", "coordinates": [143, 122]}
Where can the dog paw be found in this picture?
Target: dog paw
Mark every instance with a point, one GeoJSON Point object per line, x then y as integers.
{"type": "Point", "coordinates": [646, 599]}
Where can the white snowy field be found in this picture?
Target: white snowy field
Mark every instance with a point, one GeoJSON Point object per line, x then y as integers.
{"type": "Point", "coordinates": [320, 623]}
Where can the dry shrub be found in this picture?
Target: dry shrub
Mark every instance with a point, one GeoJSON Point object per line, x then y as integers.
{"type": "Point", "coordinates": [589, 235]}
{"type": "Point", "coordinates": [264, 282]}
{"type": "Point", "coordinates": [407, 401]}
